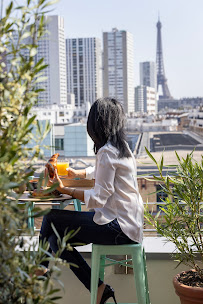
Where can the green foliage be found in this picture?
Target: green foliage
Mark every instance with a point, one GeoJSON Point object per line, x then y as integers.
{"type": "Point", "coordinates": [19, 76]}
{"type": "Point", "coordinates": [181, 218]}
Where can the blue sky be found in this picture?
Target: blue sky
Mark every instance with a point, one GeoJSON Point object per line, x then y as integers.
{"type": "Point", "coordinates": [182, 33]}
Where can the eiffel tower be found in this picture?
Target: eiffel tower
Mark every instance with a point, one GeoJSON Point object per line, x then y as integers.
{"type": "Point", "coordinates": [161, 78]}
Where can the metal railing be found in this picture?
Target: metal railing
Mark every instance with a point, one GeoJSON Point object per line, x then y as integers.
{"type": "Point", "coordinates": [59, 204]}
{"type": "Point", "coordinates": [147, 231]}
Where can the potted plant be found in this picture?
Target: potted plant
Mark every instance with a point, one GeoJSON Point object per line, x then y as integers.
{"type": "Point", "coordinates": [180, 221]}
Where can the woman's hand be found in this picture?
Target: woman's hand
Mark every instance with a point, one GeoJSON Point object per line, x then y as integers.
{"type": "Point", "coordinates": [71, 173]}
{"type": "Point", "coordinates": [56, 179]}
{"type": "Point", "coordinates": [53, 181]}
{"type": "Point", "coordinates": [48, 181]}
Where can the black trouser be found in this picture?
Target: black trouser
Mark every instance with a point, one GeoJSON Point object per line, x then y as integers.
{"type": "Point", "coordinates": [90, 232]}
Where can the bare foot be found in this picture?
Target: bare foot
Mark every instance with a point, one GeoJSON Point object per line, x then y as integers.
{"type": "Point", "coordinates": [100, 292]}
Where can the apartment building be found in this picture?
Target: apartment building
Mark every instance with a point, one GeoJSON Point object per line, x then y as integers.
{"type": "Point", "coordinates": [118, 65]}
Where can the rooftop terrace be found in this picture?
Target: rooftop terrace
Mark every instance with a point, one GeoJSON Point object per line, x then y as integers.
{"type": "Point", "coordinates": [174, 141]}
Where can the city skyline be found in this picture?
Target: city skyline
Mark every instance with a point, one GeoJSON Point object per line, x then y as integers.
{"type": "Point", "coordinates": [181, 25]}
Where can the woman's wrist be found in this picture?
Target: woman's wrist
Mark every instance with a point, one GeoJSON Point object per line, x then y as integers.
{"type": "Point", "coordinates": [60, 188]}
{"type": "Point", "coordinates": [72, 192]}
{"type": "Point", "coordinates": [80, 173]}
{"type": "Point", "coordinates": [69, 191]}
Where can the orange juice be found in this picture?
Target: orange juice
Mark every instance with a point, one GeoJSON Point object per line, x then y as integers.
{"type": "Point", "coordinates": [61, 168]}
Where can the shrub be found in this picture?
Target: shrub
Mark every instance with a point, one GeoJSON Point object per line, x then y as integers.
{"type": "Point", "coordinates": [182, 213]}
{"type": "Point", "coordinates": [20, 31]}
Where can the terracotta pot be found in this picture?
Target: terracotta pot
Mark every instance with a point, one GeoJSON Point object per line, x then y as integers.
{"type": "Point", "coordinates": [188, 294]}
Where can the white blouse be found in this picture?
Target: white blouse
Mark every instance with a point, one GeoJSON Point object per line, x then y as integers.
{"type": "Point", "coordinates": [116, 194]}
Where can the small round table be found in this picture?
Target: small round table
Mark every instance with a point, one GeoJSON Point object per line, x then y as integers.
{"type": "Point", "coordinates": [26, 197]}
{"type": "Point", "coordinates": [56, 203]}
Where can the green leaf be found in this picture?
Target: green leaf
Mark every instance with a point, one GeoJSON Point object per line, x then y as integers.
{"type": "Point", "coordinates": [42, 67]}
{"type": "Point", "coordinates": [53, 291]}
{"type": "Point", "coordinates": [33, 52]}
{"type": "Point", "coordinates": [25, 35]}
{"type": "Point", "coordinates": [10, 185]}
{"type": "Point", "coordinates": [39, 62]}
{"type": "Point", "coordinates": [56, 232]}
{"type": "Point", "coordinates": [36, 213]}
{"type": "Point", "coordinates": [9, 8]}
{"type": "Point", "coordinates": [40, 79]}
{"type": "Point", "coordinates": [56, 298]}
{"type": "Point", "coordinates": [50, 3]}
{"type": "Point", "coordinates": [30, 121]}
{"type": "Point", "coordinates": [73, 233]}
{"type": "Point", "coordinates": [150, 155]}
{"type": "Point", "coordinates": [161, 163]}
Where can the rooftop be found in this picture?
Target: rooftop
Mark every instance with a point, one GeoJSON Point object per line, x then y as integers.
{"type": "Point", "coordinates": [172, 139]}
{"type": "Point", "coordinates": [145, 166]}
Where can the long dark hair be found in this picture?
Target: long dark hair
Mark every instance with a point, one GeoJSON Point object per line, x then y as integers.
{"type": "Point", "coordinates": [106, 123]}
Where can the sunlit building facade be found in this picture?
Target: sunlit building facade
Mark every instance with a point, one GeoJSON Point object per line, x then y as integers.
{"type": "Point", "coordinates": [52, 49]}
{"type": "Point", "coordinates": [118, 65]}
{"type": "Point", "coordinates": [148, 74]}
{"type": "Point", "coordinates": [145, 100]}
{"type": "Point", "coordinates": [84, 69]}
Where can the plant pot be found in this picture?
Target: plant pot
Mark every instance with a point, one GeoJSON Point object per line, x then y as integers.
{"type": "Point", "coordinates": [188, 294]}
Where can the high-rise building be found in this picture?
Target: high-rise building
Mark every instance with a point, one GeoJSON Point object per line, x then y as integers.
{"type": "Point", "coordinates": [148, 74]}
{"type": "Point", "coordinates": [84, 69]}
{"type": "Point", "coordinates": [118, 65]}
{"type": "Point", "coordinates": [145, 100]}
{"type": "Point", "coordinates": [52, 49]}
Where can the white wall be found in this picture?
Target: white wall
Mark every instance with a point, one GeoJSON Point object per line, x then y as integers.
{"type": "Point", "coordinates": [160, 275]}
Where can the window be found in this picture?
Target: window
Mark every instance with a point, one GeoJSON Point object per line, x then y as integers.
{"type": "Point", "coordinates": [160, 196]}
{"type": "Point", "coordinates": [59, 143]}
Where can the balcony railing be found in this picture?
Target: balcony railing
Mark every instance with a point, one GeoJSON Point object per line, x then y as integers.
{"type": "Point", "coordinates": [146, 229]}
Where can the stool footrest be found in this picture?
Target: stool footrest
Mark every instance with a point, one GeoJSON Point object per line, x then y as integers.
{"type": "Point", "coordinates": [115, 262]}
{"type": "Point", "coordinates": [122, 263]}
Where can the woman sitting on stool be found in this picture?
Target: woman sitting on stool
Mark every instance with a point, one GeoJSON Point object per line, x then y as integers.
{"type": "Point", "coordinates": [118, 208]}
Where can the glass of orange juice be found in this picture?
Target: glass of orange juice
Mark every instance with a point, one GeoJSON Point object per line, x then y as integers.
{"type": "Point", "coordinates": [61, 168]}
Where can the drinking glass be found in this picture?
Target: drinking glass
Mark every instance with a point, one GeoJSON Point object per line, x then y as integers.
{"type": "Point", "coordinates": [61, 168]}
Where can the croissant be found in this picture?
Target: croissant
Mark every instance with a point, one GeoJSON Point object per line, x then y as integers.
{"type": "Point", "coordinates": [42, 193]}
{"type": "Point", "coordinates": [51, 164]}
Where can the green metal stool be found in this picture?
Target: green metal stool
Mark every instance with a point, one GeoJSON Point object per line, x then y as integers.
{"type": "Point", "coordinates": [31, 221]}
{"type": "Point", "coordinates": [76, 203]}
{"type": "Point", "coordinates": [137, 253]}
